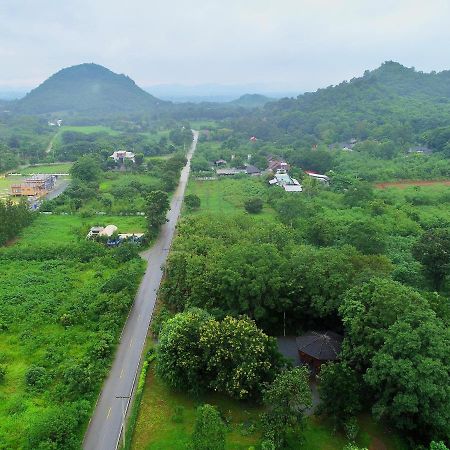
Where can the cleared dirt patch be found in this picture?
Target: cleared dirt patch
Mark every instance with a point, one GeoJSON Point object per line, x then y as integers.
{"type": "Point", "coordinates": [407, 183]}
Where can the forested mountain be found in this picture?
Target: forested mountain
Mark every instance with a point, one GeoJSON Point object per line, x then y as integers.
{"type": "Point", "coordinates": [392, 102]}
{"type": "Point", "coordinates": [87, 88]}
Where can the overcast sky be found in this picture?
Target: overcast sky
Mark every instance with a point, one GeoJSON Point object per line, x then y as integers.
{"type": "Point", "coordinates": [284, 44]}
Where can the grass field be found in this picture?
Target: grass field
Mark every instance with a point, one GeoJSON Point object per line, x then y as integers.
{"type": "Point", "coordinates": [90, 129]}
{"type": "Point", "coordinates": [156, 429]}
{"type": "Point", "coordinates": [229, 194]}
{"type": "Point", "coordinates": [35, 295]}
{"type": "Point", "coordinates": [118, 180]}
{"type": "Point", "coordinates": [54, 229]}
{"type": "Point", "coordinates": [47, 168]}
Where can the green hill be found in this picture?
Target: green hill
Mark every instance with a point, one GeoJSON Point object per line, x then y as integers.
{"type": "Point", "coordinates": [251, 101]}
{"type": "Point", "coordinates": [87, 88]}
{"type": "Point", "coordinates": [392, 102]}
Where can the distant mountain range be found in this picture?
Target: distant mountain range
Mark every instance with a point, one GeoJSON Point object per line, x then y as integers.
{"type": "Point", "coordinates": [214, 92]}
{"type": "Point", "coordinates": [87, 88]}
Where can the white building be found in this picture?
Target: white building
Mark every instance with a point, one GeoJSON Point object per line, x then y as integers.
{"type": "Point", "coordinates": [283, 180]}
{"type": "Point", "coordinates": [318, 176]}
{"type": "Point", "coordinates": [122, 155]}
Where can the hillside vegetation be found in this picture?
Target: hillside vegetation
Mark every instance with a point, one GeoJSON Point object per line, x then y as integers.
{"type": "Point", "coordinates": [392, 102]}
{"type": "Point", "coordinates": [87, 88]}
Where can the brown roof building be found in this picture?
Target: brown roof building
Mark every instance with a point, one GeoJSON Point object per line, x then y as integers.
{"type": "Point", "coordinates": [313, 348]}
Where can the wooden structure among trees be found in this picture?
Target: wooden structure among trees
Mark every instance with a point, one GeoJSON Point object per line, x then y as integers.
{"type": "Point", "coordinates": [313, 348]}
{"type": "Point", "coordinates": [316, 348]}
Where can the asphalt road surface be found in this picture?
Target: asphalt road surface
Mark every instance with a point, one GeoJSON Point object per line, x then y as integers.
{"type": "Point", "coordinates": [105, 427]}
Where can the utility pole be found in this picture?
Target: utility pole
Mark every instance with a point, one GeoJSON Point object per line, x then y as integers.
{"type": "Point", "coordinates": [122, 398]}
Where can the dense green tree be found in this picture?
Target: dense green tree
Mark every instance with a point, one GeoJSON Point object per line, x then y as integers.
{"type": "Point", "coordinates": [13, 217]}
{"type": "Point", "coordinates": [394, 338]}
{"type": "Point", "coordinates": [409, 375]}
{"type": "Point", "coordinates": [433, 251]}
{"type": "Point", "coordinates": [239, 357]}
{"type": "Point", "coordinates": [180, 359]}
{"type": "Point", "coordinates": [157, 205]}
{"type": "Point", "coordinates": [87, 168]}
{"type": "Point", "coordinates": [438, 446]}
{"type": "Point", "coordinates": [368, 236]}
{"type": "Point", "coordinates": [343, 402]}
{"type": "Point", "coordinates": [286, 401]}
{"type": "Point", "coordinates": [209, 429]}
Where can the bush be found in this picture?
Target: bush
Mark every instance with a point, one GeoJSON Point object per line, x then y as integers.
{"type": "Point", "coordinates": [2, 373]}
{"type": "Point", "coordinates": [209, 431]}
{"type": "Point", "coordinates": [36, 377]}
{"type": "Point", "coordinates": [253, 205]}
{"type": "Point", "coordinates": [192, 201]}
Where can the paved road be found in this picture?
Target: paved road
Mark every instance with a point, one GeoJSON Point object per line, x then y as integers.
{"type": "Point", "coordinates": [105, 427]}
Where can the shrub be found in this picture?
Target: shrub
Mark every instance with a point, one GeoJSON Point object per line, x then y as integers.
{"type": "Point", "coordinates": [2, 373]}
{"type": "Point", "coordinates": [209, 431]}
{"type": "Point", "coordinates": [253, 205]}
{"type": "Point", "coordinates": [192, 201]}
{"type": "Point", "coordinates": [36, 377]}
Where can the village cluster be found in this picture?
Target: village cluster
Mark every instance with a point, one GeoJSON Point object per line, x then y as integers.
{"type": "Point", "coordinates": [276, 166]}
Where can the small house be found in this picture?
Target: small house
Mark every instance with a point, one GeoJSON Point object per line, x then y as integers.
{"type": "Point", "coordinates": [284, 180]}
{"type": "Point", "coordinates": [122, 155]}
{"type": "Point", "coordinates": [220, 162]}
{"type": "Point", "coordinates": [252, 170]}
{"type": "Point", "coordinates": [275, 164]}
{"type": "Point", "coordinates": [420, 149]}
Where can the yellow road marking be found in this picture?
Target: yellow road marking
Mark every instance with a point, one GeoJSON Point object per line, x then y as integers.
{"type": "Point", "coordinates": [109, 412]}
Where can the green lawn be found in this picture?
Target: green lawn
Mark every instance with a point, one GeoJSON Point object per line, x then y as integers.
{"type": "Point", "coordinates": [118, 180]}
